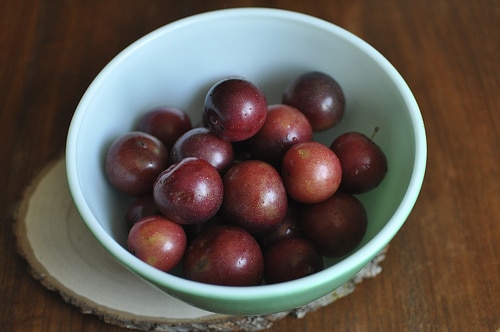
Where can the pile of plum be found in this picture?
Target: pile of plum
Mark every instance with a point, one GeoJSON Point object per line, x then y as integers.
{"type": "Point", "coordinates": [247, 196]}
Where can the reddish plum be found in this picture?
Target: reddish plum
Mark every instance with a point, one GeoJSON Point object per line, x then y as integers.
{"type": "Point", "coordinates": [133, 161]}
{"type": "Point", "coordinates": [157, 241]}
{"type": "Point", "coordinates": [254, 196]}
{"type": "Point", "coordinates": [235, 109]}
{"type": "Point", "coordinates": [165, 123]}
{"type": "Point", "coordinates": [204, 144]}
{"type": "Point", "coordinates": [224, 255]}
{"type": "Point", "coordinates": [311, 172]}
{"type": "Point", "coordinates": [189, 191]}
{"type": "Point", "coordinates": [284, 127]}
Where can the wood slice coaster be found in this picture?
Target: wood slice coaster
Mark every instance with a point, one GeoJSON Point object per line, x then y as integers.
{"type": "Point", "coordinates": [66, 258]}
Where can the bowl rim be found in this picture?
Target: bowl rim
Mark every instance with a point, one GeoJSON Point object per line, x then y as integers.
{"type": "Point", "coordinates": [351, 262]}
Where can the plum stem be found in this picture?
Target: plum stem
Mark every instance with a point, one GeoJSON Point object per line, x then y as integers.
{"type": "Point", "coordinates": [375, 131]}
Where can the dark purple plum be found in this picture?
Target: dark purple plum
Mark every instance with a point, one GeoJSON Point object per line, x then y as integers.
{"type": "Point", "coordinates": [335, 226]}
{"type": "Point", "coordinates": [319, 97]}
{"type": "Point", "coordinates": [364, 164]}
{"type": "Point", "coordinates": [291, 259]}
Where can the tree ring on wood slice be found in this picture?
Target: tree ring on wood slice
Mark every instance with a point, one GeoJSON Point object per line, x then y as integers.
{"type": "Point", "coordinates": [66, 258]}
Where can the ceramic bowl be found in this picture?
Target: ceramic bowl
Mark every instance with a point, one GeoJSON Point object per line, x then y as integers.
{"type": "Point", "coordinates": [177, 63]}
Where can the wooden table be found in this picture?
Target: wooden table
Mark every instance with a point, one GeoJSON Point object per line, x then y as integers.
{"type": "Point", "coordinates": [442, 272]}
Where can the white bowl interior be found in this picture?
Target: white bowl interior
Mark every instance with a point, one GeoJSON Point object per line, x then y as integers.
{"type": "Point", "coordinates": [176, 64]}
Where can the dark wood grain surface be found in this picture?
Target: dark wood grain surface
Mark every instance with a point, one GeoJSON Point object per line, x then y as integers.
{"type": "Point", "coordinates": [442, 272]}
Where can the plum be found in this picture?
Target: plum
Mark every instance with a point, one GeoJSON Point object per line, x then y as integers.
{"type": "Point", "coordinates": [254, 196]}
{"type": "Point", "coordinates": [204, 144]}
{"type": "Point", "coordinates": [335, 226]}
{"type": "Point", "coordinates": [364, 164]}
{"type": "Point", "coordinates": [189, 191]}
{"type": "Point", "coordinates": [235, 109]}
{"type": "Point", "coordinates": [311, 172]}
{"type": "Point", "coordinates": [165, 123]}
{"type": "Point", "coordinates": [284, 126]}
{"type": "Point", "coordinates": [133, 161]}
{"type": "Point", "coordinates": [290, 259]}
{"type": "Point", "coordinates": [157, 241]}
{"type": "Point", "coordinates": [319, 97]}
{"type": "Point", "coordinates": [224, 255]}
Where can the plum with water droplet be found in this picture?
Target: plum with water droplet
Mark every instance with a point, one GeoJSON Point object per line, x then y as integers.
{"type": "Point", "coordinates": [235, 109]}
{"type": "Point", "coordinates": [189, 192]}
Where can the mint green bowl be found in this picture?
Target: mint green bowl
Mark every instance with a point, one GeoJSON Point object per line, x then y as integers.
{"type": "Point", "coordinates": [176, 64]}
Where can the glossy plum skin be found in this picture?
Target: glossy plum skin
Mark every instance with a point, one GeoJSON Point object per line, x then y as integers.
{"type": "Point", "coordinates": [204, 144]}
{"type": "Point", "coordinates": [284, 127]}
{"type": "Point", "coordinates": [291, 259]}
{"type": "Point", "coordinates": [165, 123]}
{"type": "Point", "coordinates": [364, 164]}
{"type": "Point", "coordinates": [157, 241]}
{"type": "Point", "coordinates": [254, 196]}
{"type": "Point", "coordinates": [224, 255]}
{"type": "Point", "coordinates": [319, 97]}
{"type": "Point", "coordinates": [335, 226]}
{"type": "Point", "coordinates": [235, 109]}
{"type": "Point", "coordinates": [133, 161]}
{"type": "Point", "coordinates": [189, 191]}
{"type": "Point", "coordinates": [311, 172]}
